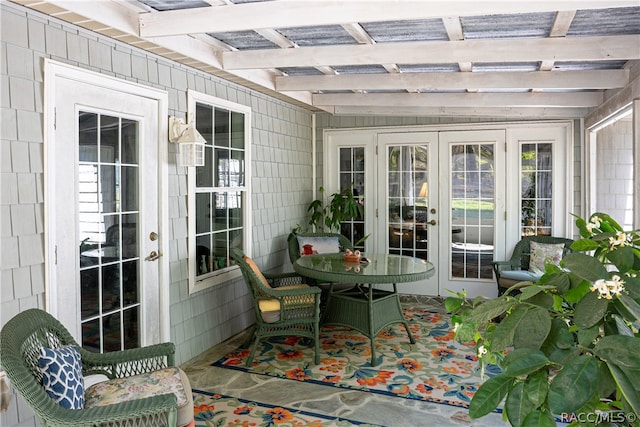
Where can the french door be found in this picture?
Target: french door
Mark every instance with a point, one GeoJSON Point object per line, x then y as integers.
{"type": "Point", "coordinates": [430, 195]}
{"type": "Point", "coordinates": [104, 236]}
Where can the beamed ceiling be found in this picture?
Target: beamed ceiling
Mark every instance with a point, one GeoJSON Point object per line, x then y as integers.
{"type": "Point", "coordinates": [529, 59]}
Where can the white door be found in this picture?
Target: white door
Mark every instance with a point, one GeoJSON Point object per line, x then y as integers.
{"type": "Point", "coordinates": [104, 232]}
{"type": "Point", "coordinates": [431, 195]}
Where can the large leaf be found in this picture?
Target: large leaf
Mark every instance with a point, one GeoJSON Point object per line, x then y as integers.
{"type": "Point", "coordinates": [590, 310]}
{"type": "Point", "coordinates": [584, 245]}
{"type": "Point", "coordinates": [577, 292]}
{"type": "Point", "coordinates": [489, 395]}
{"type": "Point", "coordinates": [574, 385]}
{"type": "Point", "coordinates": [533, 329]}
{"type": "Point", "coordinates": [517, 405]}
{"type": "Point", "coordinates": [586, 336]}
{"type": "Point", "coordinates": [632, 307]}
{"type": "Point", "coordinates": [524, 361]}
{"type": "Point", "coordinates": [623, 258]}
{"type": "Point", "coordinates": [536, 387]}
{"type": "Point", "coordinates": [490, 310]}
{"type": "Point", "coordinates": [560, 281]}
{"type": "Point", "coordinates": [585, 266]}
{"type": "Point", "coordinates": [632, 286]}
{"type": "Point", "coordinates": [538, 418]}
{"type": "Point", "coordinates": [619, 350]}
{"type": "Point", "coordinates": [559, 337]}
{"type": "Point", "coordinates": [627, 386]}
{"type": "Point", "coordinates": [505, 331]}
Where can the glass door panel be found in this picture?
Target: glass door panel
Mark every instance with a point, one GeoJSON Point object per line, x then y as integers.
{"type": "Point", "coordinates": [108, 213]}
{"type": "Point", "coordinates": [472, 193]}
{"type": "Point", "coordinates": [352, 176]}
{"type": "Point", "coordinates": [408, 185]}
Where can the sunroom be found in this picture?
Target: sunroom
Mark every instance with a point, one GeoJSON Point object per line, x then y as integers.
{"type": "Point", "coordinates": [460, 126]}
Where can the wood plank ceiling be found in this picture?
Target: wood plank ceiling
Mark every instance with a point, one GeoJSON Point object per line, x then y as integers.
{"type": "Point", "coordinates": [528, 59]}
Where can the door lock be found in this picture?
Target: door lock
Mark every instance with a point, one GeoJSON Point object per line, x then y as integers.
{"type": "Point", "coordinates": [432, 222]}
{"type": "Point", "coordinates": [153, 256]}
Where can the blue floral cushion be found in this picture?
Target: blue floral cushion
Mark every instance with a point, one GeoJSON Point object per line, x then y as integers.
{"type": "Point", "coordinates": [62, 375]}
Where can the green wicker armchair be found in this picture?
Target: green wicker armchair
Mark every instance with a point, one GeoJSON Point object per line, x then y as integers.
{"type": "Point", "coordinates": [21, 341]}
{"type": "Point", "coordinates": [283, 305]}
{"type": "Point", "coordinates": [516, 269]}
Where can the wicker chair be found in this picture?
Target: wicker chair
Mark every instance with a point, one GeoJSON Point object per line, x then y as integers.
{"type": "Point", "coordinates": [21, 341]}
{"type": "Point", "coordinates": [516, 269]}
{"type": "Point", "coordinates": [283, 304]}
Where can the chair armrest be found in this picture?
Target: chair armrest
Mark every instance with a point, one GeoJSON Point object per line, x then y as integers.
{"type": "Point", "coordinates": [150, 411]}
{"type": "Point", "coordinates": [283, 279]}
{"type": "Point", "coordinates": [128, 362]}
{"type": "Point", "coordinates": [499, 266]}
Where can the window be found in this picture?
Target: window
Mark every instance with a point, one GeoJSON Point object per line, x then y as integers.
{"type": "Point", "coordinates": [536, 195]}
{"type": "Point", "coordinates": [218, 193]}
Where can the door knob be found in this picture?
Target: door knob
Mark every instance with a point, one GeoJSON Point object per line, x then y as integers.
{"type": "Point", "coordinates": [432, 222]}
{"type": "Point", "coordinates": [153, 256]}
{"type": "Point", "coordinates": [153, 236]}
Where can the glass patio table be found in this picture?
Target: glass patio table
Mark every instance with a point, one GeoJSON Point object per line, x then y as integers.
{"type": "Point", "coordinates": [363, 307]}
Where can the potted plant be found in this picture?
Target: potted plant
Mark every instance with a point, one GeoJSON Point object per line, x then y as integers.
{"type": "Point", "coordinates": [568, 345]}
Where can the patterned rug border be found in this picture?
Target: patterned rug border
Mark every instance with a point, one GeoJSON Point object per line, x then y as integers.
{"type": "Point", "coordinates": [457, 404]}
{"type": "Point", "coordinates": [302, 412]}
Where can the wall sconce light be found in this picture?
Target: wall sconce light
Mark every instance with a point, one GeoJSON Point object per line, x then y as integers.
{"type": "Point", "coordinates": [190, 142]}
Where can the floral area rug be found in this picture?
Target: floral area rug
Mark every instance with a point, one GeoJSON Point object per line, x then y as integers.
{"type": "Point", "coordinates": [211, 409]}
{"type": "Point", "coordinates": [436, 369]}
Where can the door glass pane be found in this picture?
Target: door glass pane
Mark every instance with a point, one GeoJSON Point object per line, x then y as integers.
{"type": "Point", "coordinates": [352, 177]}
{"type": "Point", "coordinates": [408, 188]}
{"type": "Point", "coordinates": [109, 239]}
{"type": "Point", "coordinates": [472, 210]}
{"type": "Point", "coordinates": [536, 185]}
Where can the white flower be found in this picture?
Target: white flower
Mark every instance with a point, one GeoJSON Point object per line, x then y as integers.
{"type": "Point", "coordinates": [594, 222]}
{"type": "Point", "coordinates": [481, 351]}
{"type": "Point", "coordinates": [622, 239]}
{"type": "Point", "coordinates": [608, 288]}
{"type": "Point", "coordinates": [455, 327]}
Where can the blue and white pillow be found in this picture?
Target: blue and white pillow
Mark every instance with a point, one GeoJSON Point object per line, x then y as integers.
{"type": "Point", "coordinates": [62, 375]}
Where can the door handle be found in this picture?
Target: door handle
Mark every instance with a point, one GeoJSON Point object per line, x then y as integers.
{"type": "Point", "coordinates": [432, 222]}
{"type": "Point", "coordinates": [153, 256]}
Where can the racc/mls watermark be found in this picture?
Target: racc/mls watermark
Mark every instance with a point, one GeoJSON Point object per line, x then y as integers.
{"type": "Point", "coordinates": [600, 417]}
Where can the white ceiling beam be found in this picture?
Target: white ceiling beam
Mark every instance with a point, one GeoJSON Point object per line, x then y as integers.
{"type": "Point", "coordinates": [442, 52]}
{"type": "Point", "coordinates": [577, 99]}
{"type": "Point", "coordinates": [288, 13]}
{"type": "Point", "coordinates": [598, 79]}
{"type": "Point", "coordinates": [480, 111]}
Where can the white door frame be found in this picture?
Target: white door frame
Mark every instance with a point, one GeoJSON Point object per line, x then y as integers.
{"type": "Point", "coordinates": [52, 71]}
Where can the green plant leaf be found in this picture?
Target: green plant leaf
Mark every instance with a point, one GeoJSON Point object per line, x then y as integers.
{"type": "Point", "coordinates": [523, 361]}
{"type": "Point", "coordinates": [590, 310]}
{"type": "Point", "coordinates": [489, 395]}
{"type": "Point", "coordinates": [585, 266]}
{"type": "Point", "coordinates": [517, 405]}
{"type": "Point", "coordinates": [530, 291]}
{"type": "Point", "coordinates": [560, 281]}
{"type": "Point", "coordinates": [533, 329]}
{"type": "Point", "coordinates": [587, 335]}
{"type": "Point", "coordinates": [632, 307]}
{"type": "Point", "coordinates": [584, 245]}
{"type": "Point", "coordinates": [606, 383]}
{"type": "Point", "coordinates": [623, 258]}
{"type": "Point", "coordinates": [576, 293]}
{"type": "Point", "coordinates": [505, 331]}
{"type": "Point", "coordinates": [626, 385]}
{"type": "Point", "coordinates": [559, 337]}
{"type": "Point", "coordinates": [619, 350]}
{"type": "Point", "coordinates": [632, 286]}
{"type": "Point", "coordinates": [490, 309]}
{"type": "Point", "coordinates": [536, 387]}
{"type": "Point", "coordinates": [574, 385]}
{"type": "Point", "coordinates": [539, 418]}
{"type": "Point", "coordinates": [452, 304]}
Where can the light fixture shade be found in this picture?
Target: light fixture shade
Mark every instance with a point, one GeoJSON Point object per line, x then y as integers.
{"type": "Point", "coordinates": [190, 142]}
{"type": "Point", "coordinates": [190, 154]}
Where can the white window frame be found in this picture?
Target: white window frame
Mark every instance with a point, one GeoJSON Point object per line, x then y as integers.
{"type": "Point", "coordinates": [221, 276]}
